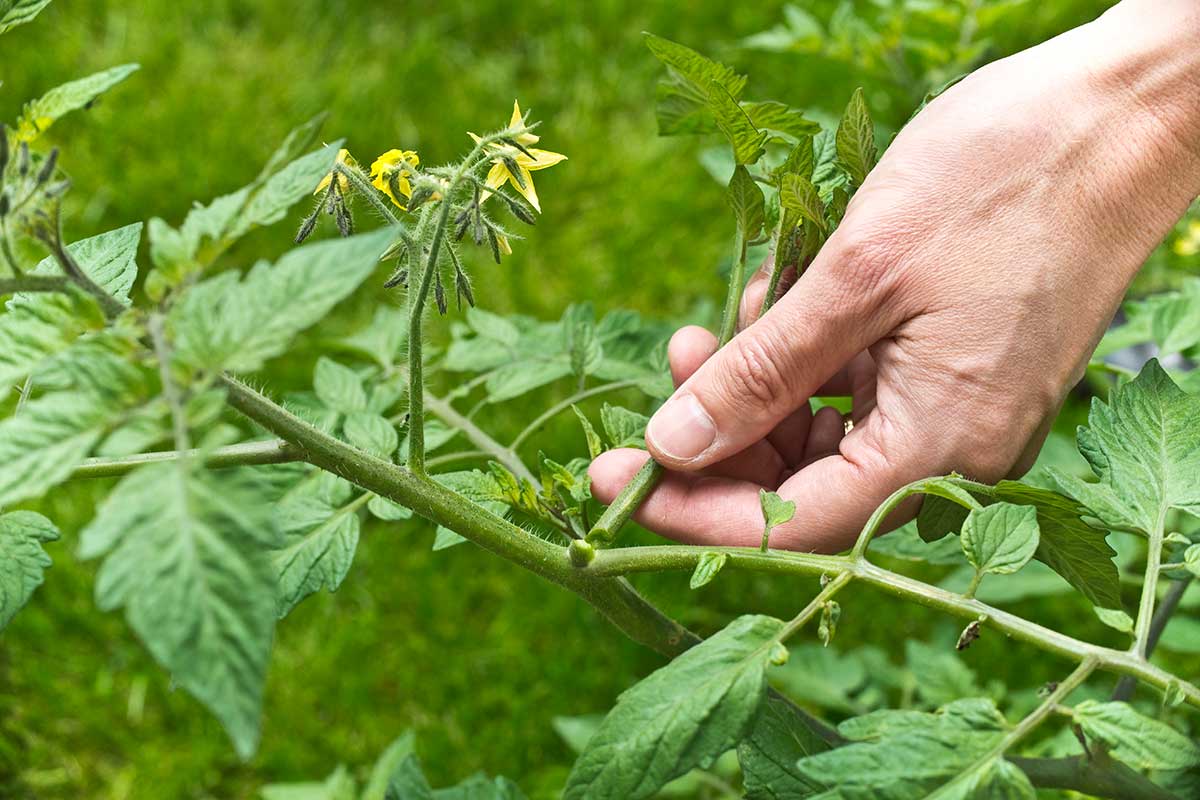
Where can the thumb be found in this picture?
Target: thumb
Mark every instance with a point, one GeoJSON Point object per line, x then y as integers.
{"type": "Point", "coordinates": [835, 311]}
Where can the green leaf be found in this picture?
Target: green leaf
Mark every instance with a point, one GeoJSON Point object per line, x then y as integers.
{"type": "Point", "coordinates": [707, 568]}
{"type": "Point", "coordinates": [22, 559]}
{"type": "Point", "coordinates": [800, 195]}
{"type": "Point", "coordinates": [372, 433]}
{"type": "Point", "coordinates": [800, 161]}
{"type": "Point", "coordinates": [1000, 538]}
{"type": "Point", "coordinates": [388, 764]}
{"type": "Point", "coordinates": [1115, 618]}
{"type": "Point", "coordinates": [18, 12]}
{"type": "Point", "coordinates": [769, 755]}
{"type": "Point", "coordinates": [622, 427]}
{"type": "Point", "coordinates": [187, 556]}
{"type": "Point", "coordinates": [382, 339]}
{"type": "Point", "coordinates": [856, 139]}
{"type": "Point", "coordinates": [1075, 550]}
{"type": "Point", "coordinates": [224, 323]}
{"type": "Point", "coordinates": [692, 66]}
{"type": "Point", "coordinates": [746, 200]}
{"type": "Point", "coordinates": [682, 99]}
{"type": "Point", "coordinates": [49, 438]}
{"type": "Point", "coordinates": [899, 755]}
{"type": "Point", "coordinates": [594, 445]}
{"type": "Point", "coordinates": [997, 779]}
{"type": "Point", "coordinates": [386, 510]}
{"type": "Point", "coordinates": [776, 511]}
{"type": "Point", "coordinates": [1137, 740]}
{"type": "Point", "coordinates": [942, 676]}
{"type": "Point", "coordinates": [40, 114]}
{"type": "Point", "coordinates": [480, 787]}
{"type": "Point", "coordinates": [779, 118]}
{"type": "Point", "coordinates": [208, 230]}
{"type": "Point", "coordinates": [338, 786]}
{"type": "Point", "coordinates": [320, 525]}
{"type": "Point", "coordinates": [338, 386]}
{"type": "Point", "coordinates": [748, 142]}
{"type": "Point", "coordinates": [683, 715]}
{"type": "Point", "coordinates": [1191, 559]}
{"type": "Point", "coordinates": [1144, 445]}
{"type": "Point", "coordinates": [109, 259]}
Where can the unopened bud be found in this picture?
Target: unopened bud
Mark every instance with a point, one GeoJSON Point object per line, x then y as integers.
{"type": "Point", "coordinates": [47, 167]}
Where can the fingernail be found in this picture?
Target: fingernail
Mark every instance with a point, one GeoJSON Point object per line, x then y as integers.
{"type": "Point", "coordinates": [681, 429]}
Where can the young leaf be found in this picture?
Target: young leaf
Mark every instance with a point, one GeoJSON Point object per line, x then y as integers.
{"type": "Point", "coordinates": [338, 387]}
{"type": "Point", "coordinates": [320, 526]}
{"type": "Point", "coordinates": [594, 445]}
{"type": "Point", "coordinates": [800, 195]}
{"type": "Point", "coordinates": [40, 114]}
{"type": "Point", "coordinates": [776, 511]}
{"type": "Point", "coordinates": [22, 559]}
{"type": "Point", "coordinates": [768, 756]}
{"type": "Point", "coordinates": [682, 99]}
{"type": "Point", "coordinates": [187, 557]}
{"type": "Point", "coordinates": [800, 161]}
{"type": "Point", "coordinates": [779, 118]}
{"type": "Point", "coordinates": [746, 200]}
{"type": "Point", "coordinates": [1144, 445]}
{"type": "Point", "coordinates": [856, 139]}
{"type": "Point", "coordinates": [622, 427]}
{"type": "Point", "coordinates": [707, 568]}
{"type": "Point", "coordinates": [1137, 740]}
{"type": "Point", "coordinates": [224, 323]}
{"type": "Point", "coordinates": [695, 68]}
{"type": "Point", "coordinates": [748, 142]}
{"type": "Point", "coordinates": [18, 12]}
{"type": "Point", "coordinates": [1191, 559]}
{"type": "Point", "coordinates": [1115, 618]}
{"type": "Point", "coordinates": [682, 716]}
{"type": "Point", "coordinates": [1000, 538]}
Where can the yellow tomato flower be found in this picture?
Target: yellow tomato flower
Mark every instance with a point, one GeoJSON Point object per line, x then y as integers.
{"type": "Point", "coordinates": [503, 245]}
{"type": "Point", "coordinates": [392, 170]}
{"type": "Point", "coordinates": [343, 157]}
{"type": "Point", "coordinates": [524, 163]}
{"type": "Point", "coordinates": [1188, 243]}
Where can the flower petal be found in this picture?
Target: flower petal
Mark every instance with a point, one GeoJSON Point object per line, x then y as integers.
{"type": "Point", "coordinates": [541, 159]}
{"type": "Point", "coordinates": [527, 191]}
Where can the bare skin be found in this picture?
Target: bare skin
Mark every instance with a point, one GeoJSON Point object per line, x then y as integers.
{"type": "Point", "coordinates": [957, 303]}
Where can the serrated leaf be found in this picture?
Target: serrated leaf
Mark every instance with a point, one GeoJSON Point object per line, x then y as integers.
{"type": "Point", "coordinates": [382, 339]}
{"type": "Point", "coordinates": [768, 756]}
{"type": "Point", "coordinates": [622, 427]}
{"type": "Point", "coordinates": [594, 445]}
{"type": "Point", "coordinates": [109, 259]}
{"type": "Point", "coordinates": [748, 142]}
{"type": "Point", "coordinates": [319, 524]}
{"type": "Point", "coordinates": [683, 715]}
{"type": "Point", "coordinates": [707, 568]}
{"type": "Point", "coordinates": [780, 118]}
{"type": "Point", "coordinates": [682, 99]}
{"type": "Point", "coordinates": [899, 755]}
{"type": "Point", "coordinates": [997, 779]}
{"type": "Point", "coordinates": [800, 161]}
{"type": "Point", "coordinates": [19, 12]}
{"type": "Point", "coordinates": [1144, 445]}
{"type": "Point", "coordinates": [1132, 737]}
{"type": "Point", "coordinates": [856, 139]}
{"type": "Point", "coordinates": [22, 559]}
{"type": "Point", "coordinates": [1001, 538]}
{"type": "Point", "coordinates": [40, 114]}
{"type": "Point", "coordinates": [187, 557]}
{"type": "Point", "coordinates": [371, 432]}
{"type": "Point", "coordinates": [697, 69]}
{"type": "Point", "coordinates": [224, 323]}
{"type": "Point", "coordinates": [800, 195]}
{"type": "Point", "coordinates": [338, 386]}
{"type": "Point", "coordinates": [746, 200]}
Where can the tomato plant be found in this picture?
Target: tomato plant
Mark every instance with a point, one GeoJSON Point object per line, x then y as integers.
{"type": "Point", "coordinates": [232, 507]}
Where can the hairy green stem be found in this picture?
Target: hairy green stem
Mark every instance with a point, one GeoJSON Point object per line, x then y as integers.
{"type": "Point", "coordinates": [34, 283]}
{"type": "Point", "coordinates": [816, 604]}
{"type": "Point", "coordinates": [733, 296]}
{"type": "Point", "coordinates": [562, 406]}
{"type": "Point", "coordinates": [629, 560]}
{"type": "Point", "coordinates": [416, 313]}
{"type": "Point", "coordinates": [368, 192]}
{"type": "Point", "coordinates": [275, 451]}
{"type": "Point", "coordinates": [626, 502]}
{"type": "Point", "coordinates": [1126, 686]}
{"type": "Point", "coordinates": [1022, 728]}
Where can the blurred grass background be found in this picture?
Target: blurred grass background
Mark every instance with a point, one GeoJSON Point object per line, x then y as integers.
{"type": "Point", "coordinates": [473, 654]}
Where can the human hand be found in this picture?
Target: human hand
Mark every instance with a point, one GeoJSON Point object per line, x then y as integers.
{"type": "Point", "coordinates": [957, 303]}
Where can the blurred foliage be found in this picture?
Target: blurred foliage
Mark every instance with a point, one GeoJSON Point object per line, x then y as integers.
{"type": "Point", "coordinates": [474, 655]}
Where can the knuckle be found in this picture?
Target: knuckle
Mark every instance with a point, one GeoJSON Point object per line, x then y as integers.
{"type": "Point", "coordinates": [756, 374]}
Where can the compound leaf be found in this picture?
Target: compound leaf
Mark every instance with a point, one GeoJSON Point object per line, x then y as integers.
{"type": "Point", "coordinates": [22, 559]}
{"type": "Point", "coordinates": [683, 715]}
{"type": "Point", "coordinates": [1137, 740]}
{"type": "Point", "coordinates": [187, 557]}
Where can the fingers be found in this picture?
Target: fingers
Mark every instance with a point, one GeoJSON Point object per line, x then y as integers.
{"type": "Point", "coordinates": [834, 495]}
{"type": "Point", "coordinates": [742, 392]}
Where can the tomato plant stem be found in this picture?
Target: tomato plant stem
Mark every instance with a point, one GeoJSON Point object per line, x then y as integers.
{"type": "Point", "coordinates": [274, 451]}
{"type": "Point", "coordinates": [626, 502]}
{"type": "Point", "coordinates": [366, 191]}
{"type": "Point", "coordinates": [1145, 617]}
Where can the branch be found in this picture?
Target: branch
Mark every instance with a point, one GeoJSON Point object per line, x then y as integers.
{"type": "Point", "coordinates": [275, 451]}
{"type": "Point", "coordinates": [1112, 779]}
{"type": "Point", "coordinates": [560, 407]}
{"type": "Point", "coordinates": [1170, 602]}
{"type": "Point", "coordinates": [478, 437]}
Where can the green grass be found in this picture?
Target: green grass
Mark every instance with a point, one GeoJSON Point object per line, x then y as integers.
{"type": "Point", "coordinates": [472, 653]}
